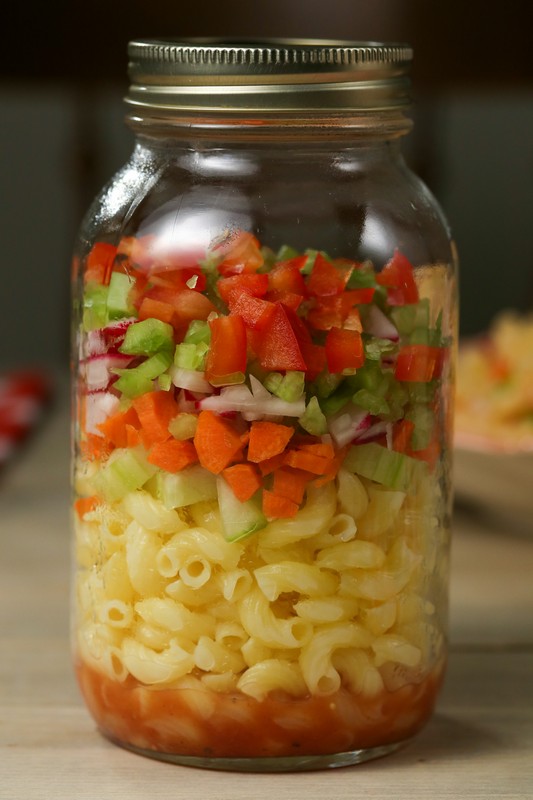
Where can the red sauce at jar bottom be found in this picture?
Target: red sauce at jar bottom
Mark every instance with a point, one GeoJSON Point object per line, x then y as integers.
{"type": "Point", "coordinates": [207, 724]}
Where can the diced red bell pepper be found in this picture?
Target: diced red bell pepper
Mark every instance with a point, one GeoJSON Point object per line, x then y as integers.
{"type": "Point", "coordinates": [344, 350]}
{"type": "Point", "coordinates": [277, 348]}
{"type": "Point", "coordinates": [252, 283]}
{"type": "Point", "coordinates": [226, 357]}
{"type": "Point", "coordinates": [328, 312]}
{"type": "Point", "coordinates": [332, 312]}
{"type": "Point", "coordinates": [99, 263]}
{"type": "Point", "coordinates": [399, 279]}
{"type": "Point", "coordinates": [313, 354]}
{"type": "Point", "coordinates": [242, 253]}
{"type": "Point", "coordinates": [326, 279]}
{"type": "Point", "coordinates": [286, 277]}
{"type": "Point", "coordinates": [358, 297]}
{"type": "Point", "coordinates": [137, 250]}
{"type": "Point", "coordinates": [288, 299]}
{"type": "Point", "coordinates": [176, 279]}
{"type": "Point", "coordinates": [254, 311]}
{"type": "Point", "coordinates": [419, 363]}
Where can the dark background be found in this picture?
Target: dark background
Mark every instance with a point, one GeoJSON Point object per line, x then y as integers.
{"type": "Point", "coordinates": [62, 78]}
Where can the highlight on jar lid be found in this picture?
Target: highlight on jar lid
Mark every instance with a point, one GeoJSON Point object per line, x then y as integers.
{"type": "Point", "coordinates": [268, 75]}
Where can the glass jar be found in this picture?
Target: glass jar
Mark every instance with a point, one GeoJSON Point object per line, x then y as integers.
{"type": "Point", "coordinates": [265, 318]}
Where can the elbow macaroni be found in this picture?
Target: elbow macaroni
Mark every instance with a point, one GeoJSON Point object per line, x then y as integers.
{"type": "Point", "coordinates": [333, 597]}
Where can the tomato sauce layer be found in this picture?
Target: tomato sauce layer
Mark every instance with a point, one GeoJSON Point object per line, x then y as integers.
{"type": "Point", "coordinates": [207, 724]}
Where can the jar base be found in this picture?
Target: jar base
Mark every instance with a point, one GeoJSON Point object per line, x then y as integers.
{"type": "Point", "coordinates": [297, 763]}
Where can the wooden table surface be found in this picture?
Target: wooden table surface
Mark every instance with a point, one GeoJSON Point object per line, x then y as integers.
{"type": "Point", "coordinates": [478, 745]}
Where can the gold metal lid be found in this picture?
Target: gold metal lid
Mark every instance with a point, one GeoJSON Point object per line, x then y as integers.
{"type": "Point", "coordinates": [268, 75]}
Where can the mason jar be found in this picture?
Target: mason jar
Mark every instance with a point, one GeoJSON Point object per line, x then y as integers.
{"type": "Point", "coordinates": [265, 318]}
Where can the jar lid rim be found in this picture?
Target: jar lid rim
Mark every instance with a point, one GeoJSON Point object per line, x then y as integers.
{"type": "Point", "coordinates": [268, 74]}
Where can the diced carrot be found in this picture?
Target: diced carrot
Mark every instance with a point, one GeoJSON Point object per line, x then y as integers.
{"type": "Point", "coordinates": [173, 455]}
{"type": "Point", "coordinates": [334, 467]}
{"type": "Point", "coordinates": [83, 505]}
{"type": "Point", "coordinates": [268, 466]}
{"type": "Point", "coordinates": [151, 308]}
{"type": "Point", "coordinates": [217, 442]}
{"type": "Point", "coordinates": [155, 410]}
{"type": "Point", "coordinates": [94, 447]}
{"type": "Point", "coordinates": [277, 507]}
{"type": "Point", "coordinates": [133, 437]}
{"type": "Point", "coordinates": [291, 483]}
{"type": "Point", "coordinates": [267, 439]}
{"type": "Point", "coordinates": [115, 429]}
{"type": "Point", "coordinates": [244, 480]}
{"type": "Point", "coordinates": [401, 435]}
{"type": "Point", "coordinates": [309, 462]}
{"type": "Point", "coordinates": [323, 449]}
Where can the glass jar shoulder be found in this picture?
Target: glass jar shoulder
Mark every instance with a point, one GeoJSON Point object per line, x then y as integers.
{"type": "Point", "coordinates": [359, 200]}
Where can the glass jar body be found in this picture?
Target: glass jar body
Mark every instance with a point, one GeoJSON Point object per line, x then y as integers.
{"type": "Point", "coordinates": [263, 364]}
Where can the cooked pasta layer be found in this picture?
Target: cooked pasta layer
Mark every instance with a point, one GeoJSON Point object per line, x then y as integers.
{"type": "Point", "coordinates": [321, 623]}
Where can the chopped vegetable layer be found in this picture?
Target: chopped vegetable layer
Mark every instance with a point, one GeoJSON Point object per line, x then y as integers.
{"type": "Point", "coordinates": [252, 363]}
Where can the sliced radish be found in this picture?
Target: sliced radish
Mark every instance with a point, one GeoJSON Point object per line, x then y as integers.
{"type": "Point", "coordinates": [98, 407]}
{"type": "Point", "coordinates": [185, 404]}
{"type": "Point", "coordinates": [97, 370]}
{"type": "Point", "coordinates": [374, 431]}
{"type": "Point", "coordinates": [94, 344]}
{"type": "Point", "coordinates": [191, 380]}
{"type": "Point", "coordinates": [347, 425]}
{"type": "Point", "coordinates": [114, 333]}
{"type": "Point", "coordinates": [252, 405]}
{"type": "Point", "coordinates": [378, 324]}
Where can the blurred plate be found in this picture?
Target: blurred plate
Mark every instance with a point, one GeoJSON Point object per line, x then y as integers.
{"type": "Point", "coordinates": [497, 487]}
{"type": "Point", "coordinates": [494, 397]}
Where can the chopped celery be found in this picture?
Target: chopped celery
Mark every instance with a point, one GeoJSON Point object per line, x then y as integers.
{"type": "Point", "coordinates": [135, 381]}
{"type": "Point", "coordinates": [125, 471]}
{"type": "Point", "coordinates": [424, 420]}
{"type": "Point", "coordinates": [429, 336]}
{"type": "Point", "coordinates": [198, 331]}
{"type": "Point", "coordinates": [363, 277]}
{"type": "Point", "coordinates": [190, 485]}
{"type": "Point", "coordinates": [95, 306]}
{"type": "Point", "coordinates": [375, 348]}
{"type": "Point", "coordinates": [183, 426]}
{"type": "Point", "coordinates": [286, 252]}
{"type": "Point", "coordinates": [189, 355]}
{"type": "Point", "coordinates": [372, 403]}
{"type": "Point", "coordinates": [289, 387]}
{"type": "Point", "coordinates": [371, 379]}
{"type": "Point", "coordinates": [310, 263]}
{"type": "Point", "coordinates": [313, 420]}
{"type": "Point", "coordinates": [326, 383]}
{"type": "Point", "coordinates": [377, 463]}
{"type": "Point", "coordinates": [269, 259]}
{"type": "Point", "coordinates": [337, 400]}
{"type": "Point", "coordinates": [411, 316]}
{"type": "Point", "coordinates": [118, 303]}
{"type": "Point", "coordinates": [421, 392]}
{"type": "Point", "coordinates": [273, 382]}
{"type": "Point", "coordinates": [397, 397]}
{"type": "Point", "coordinates": [238, 519]}
{"type": "Point", "coordinates": [164, 381]}
{"type": "Point", "coordinates": [148, 337]}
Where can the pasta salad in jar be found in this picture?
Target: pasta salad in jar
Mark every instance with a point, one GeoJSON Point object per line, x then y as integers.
{"type": "Point", "coordinates": [262, 429]}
